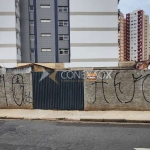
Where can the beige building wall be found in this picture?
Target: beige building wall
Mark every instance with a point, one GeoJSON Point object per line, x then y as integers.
{"type": "Point", "coordinates": [125, 41]}
{"type": "Point", "coordinates": [149, 40]}
{"type": "Point", "coordinates": [146, 37]}
{"type": "Point", "coordinates": [121, 37]}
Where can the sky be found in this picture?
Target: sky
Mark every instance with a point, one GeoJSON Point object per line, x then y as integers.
{"type": "Point", "coordinates": [127, 6]}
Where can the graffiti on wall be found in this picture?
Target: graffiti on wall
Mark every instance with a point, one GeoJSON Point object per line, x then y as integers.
{"type": "Point", "coordinates": [15, 89]}
{"type": "Point", "coordinates": [2, 81]}
{"type": "Point", "coordinates": [118, 88]}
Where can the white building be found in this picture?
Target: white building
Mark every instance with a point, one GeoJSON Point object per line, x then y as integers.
{"type": "Point", "coordinates": [10, 46]}
{"type": "Point", "coordinates": [94, 33]}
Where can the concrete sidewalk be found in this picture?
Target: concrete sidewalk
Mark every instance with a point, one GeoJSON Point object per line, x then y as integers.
{"type": "Point", "coordinates": [91, 116]}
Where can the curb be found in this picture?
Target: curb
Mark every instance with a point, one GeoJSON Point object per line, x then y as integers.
{"type": "Point", "coordinates": [79, 120]}
{"type": "Point", "coordinates": [138, 121]}
{"type": "Point", "coordinates": [115, 120]}
{"type": "Point", "coordinates": [103, 120]}
{"type": "Point", "coordinates": [17, 118]}
{"type": "Point", "coordinates": [3, 117]}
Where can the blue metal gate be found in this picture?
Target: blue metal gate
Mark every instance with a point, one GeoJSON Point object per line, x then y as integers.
{"type": "Point", "coordinates": [51, 91]}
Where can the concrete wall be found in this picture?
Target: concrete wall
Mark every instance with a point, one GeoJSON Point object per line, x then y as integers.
{"type": "Point", "coordinates": [16, 91]}
{"type": "Point", "coordinates": [119, 90]}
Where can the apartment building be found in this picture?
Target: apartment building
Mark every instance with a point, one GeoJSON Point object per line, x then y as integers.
{"type": "Point", "coordinates": [70, 31]}
{"type": "Point", "coordinates": [149, 41]}
{"type": "Point", "coordinates": [45, 31]}
{"type": "Point", "coordinates": [137, 36]}
{"type": "Point", "coordinates": [93, 33]}
{"type": "Point", "coordinates": [80, 33]}
{"type": "Point", "coordinates": [121, 36]}
{"type": "Point", "coordinates": [146, 37]}
{"type": "Point", "coordinates": [125, 41]}
{"type": "Point", "coordinates": [10, 45]}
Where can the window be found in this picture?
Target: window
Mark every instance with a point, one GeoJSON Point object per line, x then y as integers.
{"type": "Point", "coordinates": [63, 23]}
{"type": "Point", "coordinates": [17, 35]}
{"type": "Point", "coordinates": [63, 51]}
{"type": "Point", "coordinates": [31, 23]}
{"type": "Point", "coordinates": [32, 37]}
{"type": "Point", "coordinates": [17, 50]}
{"type": "Point", "coordinates": [63, 9]}
{"type": "Point", "coordinates": [17, 4]}
{"type": "Point", "coordinates": [46, 49]}
{"type": "Point", "coordinates": [45, 34]}
{"type": "Point", "coordinates": [63, 37]}
{"type": "Point", "coordinates": [16, 19]}
{"type": "Point", "coordinates": [45, 6]}
{"type": "Point", "coordinates": [45, 20]}
{"type": "Point", "coordinates": [32, 50]}
{"type": "Point", "coordinates": [31, 8]}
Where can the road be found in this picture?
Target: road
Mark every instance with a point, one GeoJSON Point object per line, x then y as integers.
{"type": "Point", "coordinates": [45, 135]}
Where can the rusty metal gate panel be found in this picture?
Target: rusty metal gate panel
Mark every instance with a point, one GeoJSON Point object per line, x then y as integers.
{"type": "Point", "coordinates": [52, 92]}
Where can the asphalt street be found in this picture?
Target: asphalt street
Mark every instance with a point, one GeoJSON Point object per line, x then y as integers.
{"type": "Point", "coordinates": [46, 135]}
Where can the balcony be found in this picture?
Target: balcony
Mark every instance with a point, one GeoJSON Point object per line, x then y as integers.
{"type": "Point", "coordinates": [17, 7]}
{"type": "Point", "coordinates": [18, 26]}
{"type": "Point", "coordinates": [18, 39]}
{"type": "Point", "coordinates": [18, 42]}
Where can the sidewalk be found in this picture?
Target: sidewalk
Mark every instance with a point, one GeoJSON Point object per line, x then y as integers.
{"type": "Point", "coordinates": [91, 116]}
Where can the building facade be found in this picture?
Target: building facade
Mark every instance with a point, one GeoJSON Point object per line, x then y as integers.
{"type": "Point", "coordinates": [79, 33]}
{"type": "Point", "coordinates": [45, 29]}
{"type": "Point", "coordinates": [121, 36]}
{"type": "Point", "coordinates": [149, 41]}
{"type": "Point", "coordinates": [93, 33]}
{"type": "Point", "coordinates": [146, 37]}
{"type": "Point", "coordinates": [137, 36]}
{"type": "Point", "coordinates": [10, 45]}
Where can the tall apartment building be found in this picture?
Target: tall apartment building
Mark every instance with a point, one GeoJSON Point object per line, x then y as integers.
{"type": "Point", "coordinates": [149, 40]}
{"type": "Point", "coordinates": [125, 41]}
{"type": "Point", "coordinates": [45, 31]}
{"type": "Point", "coordinates": [121, 36]}
{"type": "Point", "coordinates": [93, 33]}
{"type": "Point", "coordinates": [146, 37]}
{"type": "Point", "coordinates": [137, 36]}
{"type": "Point", "coordinates": [80, 33]}
{"type": "Point", "coordinates": [10, 45]}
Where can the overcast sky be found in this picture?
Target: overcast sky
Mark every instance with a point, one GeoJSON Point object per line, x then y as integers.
{"type": "Point", "coordinates": [127, 6]}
